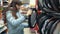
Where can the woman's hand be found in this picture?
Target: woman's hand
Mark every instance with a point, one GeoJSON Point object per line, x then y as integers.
{"type": "Point", "coordinates": [29, 12]}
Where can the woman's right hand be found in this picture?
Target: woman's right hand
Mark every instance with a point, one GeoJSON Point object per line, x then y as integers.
{"type": "Point", "coordinates": [29, 12]}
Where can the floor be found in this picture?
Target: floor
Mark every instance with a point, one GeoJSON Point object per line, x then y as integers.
{"type": "Point", "coordinates": [28, 31]}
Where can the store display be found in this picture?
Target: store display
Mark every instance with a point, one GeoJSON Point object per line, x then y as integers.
{"type": "Point", "coordinates": [53, 28]}
{"type": "Point", "coordinates": [41, 21]}
{"type": "Point", "coordinates": [49, 26]}
{"type": "Point", "coordinates": [57, 29]}
{"type": "Point", "coordinates": [51, 8]}
{"type": "Point", "coordinates": [44, 26]}
{"type": "Point", "coordinates": [48, 20]}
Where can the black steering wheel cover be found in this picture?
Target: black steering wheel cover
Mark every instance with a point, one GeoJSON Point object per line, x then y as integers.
{"type": "Point", "coordinates": [54, 26]}
{"type": "Point", "coordinates": [41, 22]}
{"type": "Point", "coordinates": [50, 19]}
{"type": "Point", "coordinates": [54, 6]}
{"type": "Point", "coordinates": [48, 2]}
{"type": "Point", "coordinates": [49, 26]}
{"type": "Point", "coordinates": [44, 9]}
{"type": "Point", "coordinates": [44, 26]}
{"type": "Point", "coordinates": [56, 15]}
{"type": "Point", "coordinates": [47, 10]}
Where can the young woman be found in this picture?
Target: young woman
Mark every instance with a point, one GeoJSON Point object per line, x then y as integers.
{"type": "Point", "coordinates": [15, 18]}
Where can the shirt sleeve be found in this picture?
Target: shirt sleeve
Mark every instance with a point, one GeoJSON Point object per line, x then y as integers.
{"type": "Point", "coordinates": [13, 21]}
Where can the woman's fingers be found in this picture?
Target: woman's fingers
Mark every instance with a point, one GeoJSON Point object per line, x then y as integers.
{"type": "Point", "coordinates": [29, 12]}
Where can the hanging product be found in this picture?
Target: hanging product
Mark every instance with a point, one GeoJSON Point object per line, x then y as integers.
{"type": "Point", "coordinates": [57, 29]}
{"type": "Point", "coordinates": [39, 17]}
{"type": "Point", "coordinates": [48, 22]}
{"type": "Point", "coordinates": [50, 6]}
{"type": "Point", "coordinates": [49, 26]}
{"type": "Point", "coordinates": [53, 28]}
{"type": "Point", "coordinates": [41, 22]}
{"type": "Point", "coordinates": [45, 24]}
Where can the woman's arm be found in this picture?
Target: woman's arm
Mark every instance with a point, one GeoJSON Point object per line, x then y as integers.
{"type": "Point", "coordinates": [13, 21]}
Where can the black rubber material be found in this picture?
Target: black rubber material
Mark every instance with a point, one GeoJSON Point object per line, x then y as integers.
{"type": "Point", "coordinates": [43, 5]}
{"type": "Point", "coordinates": [56, 15]}
{"type": "Point", "coordinates": [53, 27]}
{"type": "Point", "coordinates": [48, 32]}
{"type": "Point", "coordinates": [54, 6]}
{"type": "Point", "coordinates": [49, 26]}
{"type": "Point", "coordinates": [41, 22]}
{"type": "Point", "coordinates": [45, 24]}
{"type": "Point", "coordinates": [50, 19]}
{"type": "Point", "coordinates": [48, 2]}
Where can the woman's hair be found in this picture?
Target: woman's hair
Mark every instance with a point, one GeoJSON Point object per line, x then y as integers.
{"type": "Point", "coordinates": [14, 8]}
{"type": "Point", "coordinates": [14, 3]}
